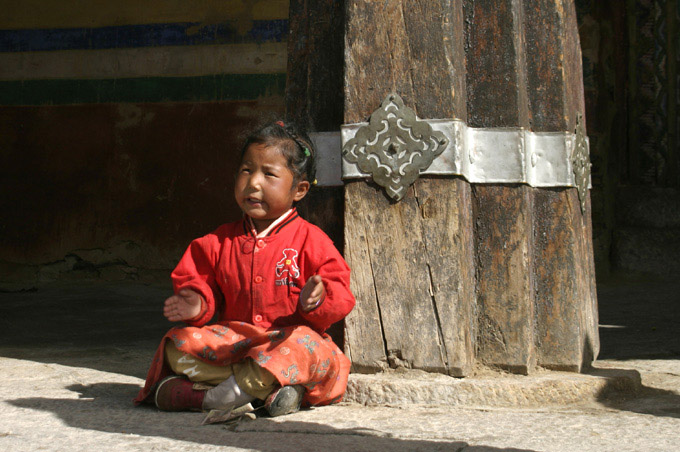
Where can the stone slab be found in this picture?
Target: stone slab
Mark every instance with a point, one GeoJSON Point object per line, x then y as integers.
{"type": "Point", "coordinates": [57, 407]}
{"type": "Point", "coordinates": [409, 387]}
{"type": "Point", "coordinates": [69, 388]}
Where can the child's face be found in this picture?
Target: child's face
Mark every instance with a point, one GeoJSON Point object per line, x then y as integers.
{"type": "Point", "coordinates": [264, 185]}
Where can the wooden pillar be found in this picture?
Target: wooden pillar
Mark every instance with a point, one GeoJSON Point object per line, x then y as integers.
{"type": "Point", "coordinates": [497, 97]}
{"type": "Point", "coordinates": [536, 276]}
{"type": "Point", "coordinates": [564, 268]}
{"type": "Point", "coordinates": [314, 94]}
{"type": "Point", "coordinates": [454, 273]}
{"type": "Point", "coordinates": [413, 269]}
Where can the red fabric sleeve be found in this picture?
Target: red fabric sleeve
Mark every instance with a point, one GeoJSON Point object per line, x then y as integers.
{"type": "Point", "coordinates": [339, 301]}
{"type": "Point", "coordinates": [196, 271]}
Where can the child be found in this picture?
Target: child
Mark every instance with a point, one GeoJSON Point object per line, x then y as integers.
{"type": "Point", "coordinates": [276, 282]}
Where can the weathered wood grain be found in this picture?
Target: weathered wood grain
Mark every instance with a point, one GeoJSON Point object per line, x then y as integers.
{"type": "Point", "coordinates": [453, 274]}
{"type": "Point", "coordinates": [566, 303]}
{"type": "Point", "coordinates": [564, 298]}
{"type": "Point", "coordinates": [451, 277]}
{"type": "Point", "coordinates": [496, 87]}
{"type": "Point", "coordinates": [314, 101]}
{"type": "Point", "coordinates": [314, 85]}
{"type": "Point", "coordinates": [314, 94]}
{"type": "Point", "coordinates": [400, 276]}
{"type": "Point", "coordinates": [502, 218]}
{"type": "Point", "coordinates": [412, 48]}
{"type": "Point", "coordinates": [415, 255]}
{"type": "Point", "coordinates": [364, 344]}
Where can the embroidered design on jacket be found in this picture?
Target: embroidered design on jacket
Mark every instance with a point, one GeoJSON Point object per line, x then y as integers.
{"type": "Point", "coordinates": [287, 268]}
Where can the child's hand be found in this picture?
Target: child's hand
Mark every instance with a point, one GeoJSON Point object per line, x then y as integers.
{"type": "Point", "coordinates": [186, 304]}
{"type": "Point", "coordinates": [313, 294]}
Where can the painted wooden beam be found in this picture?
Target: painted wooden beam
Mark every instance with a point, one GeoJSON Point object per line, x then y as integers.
{"type": "Point", "coordinates": [187, 61]}
{"type": "Point", "coordinates": [220, 87]}
{"type": "Point", "coordinates": [143, 35]}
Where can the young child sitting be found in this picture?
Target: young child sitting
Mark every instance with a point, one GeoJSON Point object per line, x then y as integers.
{"type": "Point", "coordinates": [276, 283]}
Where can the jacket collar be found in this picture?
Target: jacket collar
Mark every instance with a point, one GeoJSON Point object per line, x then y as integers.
{"type": "Point", "coordinates": [274, 228]}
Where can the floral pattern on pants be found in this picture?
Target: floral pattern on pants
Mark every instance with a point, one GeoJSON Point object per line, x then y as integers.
{"type": "Point", "coordinates": [295, 355]}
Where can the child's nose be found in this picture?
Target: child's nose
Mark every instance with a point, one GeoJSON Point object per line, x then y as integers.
{"type": "Point", "coordinates": [255, 180]}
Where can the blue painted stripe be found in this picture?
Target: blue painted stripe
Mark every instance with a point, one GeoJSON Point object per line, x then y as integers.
{"type": "Point", "coordinates": [149, 35]}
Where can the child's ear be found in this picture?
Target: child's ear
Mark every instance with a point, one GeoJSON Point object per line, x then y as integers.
{"type": "Point", "coordinates": [301, 190]}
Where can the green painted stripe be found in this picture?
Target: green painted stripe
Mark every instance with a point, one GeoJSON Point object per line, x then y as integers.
{"type": "Point", "coordinates": [150, 89]}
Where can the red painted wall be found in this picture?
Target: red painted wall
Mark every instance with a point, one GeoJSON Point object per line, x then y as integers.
{"type": "Point", "coordinates": [113, 190]}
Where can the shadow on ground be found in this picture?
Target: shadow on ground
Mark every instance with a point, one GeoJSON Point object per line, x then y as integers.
{"type": "Point", "coordinates": [107, 408]}
{"type": "Point", "coordinates": [116, 327]}
{"type": "Point", "coordinates": [629, 394]}
{"type": "Point", "coordinates": [112, 327]}
{"type": "Point", "coordinates": [639, 317]}
{"type": "Point", "coordinates": [638, 320]}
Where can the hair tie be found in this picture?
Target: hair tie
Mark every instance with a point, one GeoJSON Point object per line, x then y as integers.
{"type": "Point", "coordinates": [280, 123]}
{"type": "Point", "coordinates": [307, 153]}
{"type": "Point", "coordinates": [315, 182]}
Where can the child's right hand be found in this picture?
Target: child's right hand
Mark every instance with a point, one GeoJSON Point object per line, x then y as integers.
{"type": "Point", "coordinates": [313, 294]}
{"type": "Point", "coordinates": [184, 305]}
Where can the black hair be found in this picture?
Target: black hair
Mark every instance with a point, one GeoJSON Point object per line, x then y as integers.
{"type": "Point", "coordinates": [293, 143]}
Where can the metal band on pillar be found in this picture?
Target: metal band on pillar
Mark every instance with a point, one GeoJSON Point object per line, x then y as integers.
{"type": "Point", "coordinates": [395, 147]}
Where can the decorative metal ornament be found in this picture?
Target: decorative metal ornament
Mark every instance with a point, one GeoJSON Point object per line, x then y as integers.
{"type": "Point", "coordinates": [580, 161]}
{"type": "Point", "coordinates": [394, 147]}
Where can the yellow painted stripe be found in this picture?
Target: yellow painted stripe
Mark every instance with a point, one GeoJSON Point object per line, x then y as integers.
{"type": "Point", "coordinates": [38, 14]}
{"type": "Point", "coordinates": [183, 61]}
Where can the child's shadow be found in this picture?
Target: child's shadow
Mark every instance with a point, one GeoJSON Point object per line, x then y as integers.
{"type": "Point", "coordinates": [107, 407]}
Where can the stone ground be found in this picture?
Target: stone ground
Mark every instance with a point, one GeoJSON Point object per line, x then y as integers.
{"type": "Point", "coordinates": [72, 357]}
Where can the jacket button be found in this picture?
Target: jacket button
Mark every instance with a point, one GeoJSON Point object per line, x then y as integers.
{"type": "Point", "coordinates": [258, 279]}
{"type": "Point", "coordinates": [247, 247]}
{"type": "Point", "coordinates": [258, 318]}
{"type": "Point", "coordinates": [260, 243]}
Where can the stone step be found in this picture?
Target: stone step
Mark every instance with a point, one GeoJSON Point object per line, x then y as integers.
{"type": "Point", "coordinates": [544, 388]}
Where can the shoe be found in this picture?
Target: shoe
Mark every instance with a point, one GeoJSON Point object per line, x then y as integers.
{"type": "Point", "coordinates": [226, 394]}
{"type": "Point", "coordinates": [284, 400]}
{"type": "Point", "coordinates": [176, 393]}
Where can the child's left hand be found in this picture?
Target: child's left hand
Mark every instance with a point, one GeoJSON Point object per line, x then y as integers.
{"type": "Point", "coordinates": [313, 294]}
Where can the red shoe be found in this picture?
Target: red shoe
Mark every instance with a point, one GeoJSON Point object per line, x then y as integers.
{"type": "Point", "coordinates": [284, 400]}
{"type": "Point", "coordinates": [176, 393]}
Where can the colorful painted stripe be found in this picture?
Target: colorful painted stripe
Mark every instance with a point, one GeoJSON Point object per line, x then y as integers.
{"type": "Point", "coordinates": [35, 14]}
{"type": "Point", "coordinates": [149, 35]}
{"type": "Point", "coordinates": [186, 61]}
{"type": "Point", "coordinates": [149, 89]}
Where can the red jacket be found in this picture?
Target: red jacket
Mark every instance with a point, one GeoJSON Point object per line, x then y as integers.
{"type": "Point", "coordinates": [258, 280]}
